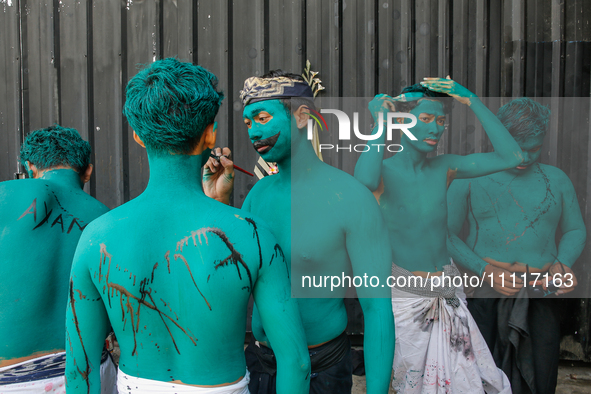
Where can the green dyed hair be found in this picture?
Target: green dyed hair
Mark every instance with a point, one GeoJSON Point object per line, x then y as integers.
{"type": "Point", "coordinates": [407, 106]}
{"type": "Point", "coordinates": [56, 146]}
{"type": "Point", "coordinates": [170, 103]}
{"type": "Point", "coordinates": [524, 118]}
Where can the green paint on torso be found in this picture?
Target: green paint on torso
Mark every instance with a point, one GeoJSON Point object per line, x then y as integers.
{"type": "Point", "coordinates": [175, 270]}
{"type": "Point", "coordinates": [414, 206]}
{"type": "Point", "coordinates": [310, 220]}
{"type": "Point", "coordinates": [41, 222]}
{"type": "Point", "coordinates": [514, 218]}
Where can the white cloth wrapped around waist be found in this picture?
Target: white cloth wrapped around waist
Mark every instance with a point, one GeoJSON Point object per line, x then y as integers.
{"type": "Point", "coordinates": [127, 384]}
{"type": "Point", "coordinates": [45, 374]}
{"type": "Point", "coordinates": [439, 348]}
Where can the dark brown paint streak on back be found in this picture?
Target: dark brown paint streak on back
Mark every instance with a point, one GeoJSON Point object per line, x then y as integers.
{"type": "Point", "coordinates": [145, 292]}
{"type": "Point", "coordinates": [256, 234]}
{"type": "Point", "coordinates": [85, 373]}
{"type": "Point", "coordinates": [180, 256]}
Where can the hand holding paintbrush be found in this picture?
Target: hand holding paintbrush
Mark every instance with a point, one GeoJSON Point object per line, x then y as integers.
{"type": "Point", "coordinates": [218, 175]}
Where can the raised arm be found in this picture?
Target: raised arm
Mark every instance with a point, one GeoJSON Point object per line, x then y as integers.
{"type": "Point", "coordinates": [281, 319]}
{"type": "Point", "coordinates": [458, 200]}
{"type": "Point", "coordinates": [507, 153]}
{"type": "Point", "coordinates": [87, 324]}
{"type": "Point", "coordinates": [368, 169]}
{"type": "Point", "coordinates": [370, 253]}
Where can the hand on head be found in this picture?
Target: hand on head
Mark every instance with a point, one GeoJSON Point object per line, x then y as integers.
{"type": "Point", "coordinates": [449, 87]}
{"type": "Point", "coordinates": [381, 103]}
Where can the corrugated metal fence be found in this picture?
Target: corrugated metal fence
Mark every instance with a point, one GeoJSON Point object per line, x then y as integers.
{"type": "Point", "coordinates": [68, 61]}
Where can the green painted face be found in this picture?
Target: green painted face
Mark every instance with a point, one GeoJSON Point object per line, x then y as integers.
{"type": "Point", "coordinates": [269, 129]}
{"type": "Point", "coordinates": [430, 125]}
{"type": "Point", "coordinates": [532, 149]}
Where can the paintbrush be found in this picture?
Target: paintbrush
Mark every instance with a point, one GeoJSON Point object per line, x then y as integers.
{"type": "Point", "coordinates": [235, 166]}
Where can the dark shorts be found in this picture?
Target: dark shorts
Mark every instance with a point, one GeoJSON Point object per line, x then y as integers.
{"type": "Point", "coordinates": [538, 359]}
{"type": "Point", "coordinates": [331, 367]}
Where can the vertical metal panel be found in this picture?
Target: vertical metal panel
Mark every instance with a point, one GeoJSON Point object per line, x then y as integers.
{"type": "Point", "coordinates": [107, 100]}
{"type": "Point", "coordinates": [496, 60]}
{"type": "Point", "coordinates": [506, 49]}
{"type": "Point", "coordinates": [480, 63]}
{"type": "Point", "coordinates": [177, 29]}
{"type": "Point", "coordinates": [323, 50]}
{"type": "Point", "coordinates": [459, 73]}
{"type": "Point", "coordinates": [444, 49]}
{"type": "Point", "coordinates": [557, 75]}
{"type": "Point", "coordinates": [41, 69]}
{"type": "Point", "coordinates": [73, 64]}
{"type": "Point", "coordinates": [358, 51]}
{"type": "Point", "coordinates": [10, 101]}
{"type": "Point", "coordinates": [518, 39]}
{"type": "Point", "coordinates": [423, 26]}
{"type": "Point", "coordinates": [212, 50]}
{"type": "Point", "coordinates": [142, 48]}
{"type": "Point", "coordinates": [285, 36]}
{"type": "Point", "coordinates": [404, 45]}
{"type": "Point", "coordinates": [386, 53]}
{"type": "Point", "coordinates": [248, 59]}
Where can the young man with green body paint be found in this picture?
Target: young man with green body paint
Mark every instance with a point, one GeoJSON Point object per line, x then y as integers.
{"type": "Point", "coordinates": [438, 346]}
{"type": "Point", "coordinates": [41, 220]}
{"type": "Point", "coordinates": [513, 217]}
{"type": "Point", "coordinates": [172, 270]}
{"type": "Point", "coordinates": [327, 224]}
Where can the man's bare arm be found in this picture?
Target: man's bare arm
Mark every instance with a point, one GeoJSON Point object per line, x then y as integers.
{"type": "Point", "coordinates": [507, 153]}
{"type": "Point", "coordinates": [370, 253]}
{"type": "Point", "coordinates": [281, 319]}
{"type": "Point", "coordinates": [87, 325]}
{"type": "Point", "coordinates": [458, 196]}
{"type": "Point", "coordinates": [574, 233]}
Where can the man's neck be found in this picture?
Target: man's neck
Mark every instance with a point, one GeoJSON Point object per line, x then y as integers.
{"type": "Point", "coordinates": [63, 176]}
{"type": "Point", "coordinates": [173, 174]}
{"type": "Point", "coordinates": [300, 163]}
{"type": "Point", "coordinates": [412, 157]}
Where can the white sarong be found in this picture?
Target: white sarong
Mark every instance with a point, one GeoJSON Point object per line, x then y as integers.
{"type": "Point", "coordinates": [439, 348]}
{"type": "Point", "coordinates": [51, 365]}
{"type": "Point", "coordinates": [127, 384]}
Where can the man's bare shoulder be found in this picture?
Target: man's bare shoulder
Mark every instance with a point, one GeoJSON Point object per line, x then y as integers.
{"type": "Point", "coordinates": [263, 185]}
{"type": "Point", "coordinates": [349, 190]}
{"type": "Point", "coordinates": [23, 187]}
{"type": "Point", "coordinates": [210, 213]}
{"type": "Point", "coordinates": [20, 196]}
{"type": "Point", "coordinates": [554, 174]}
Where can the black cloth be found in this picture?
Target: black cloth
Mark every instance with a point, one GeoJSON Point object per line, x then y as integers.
{"type": "Point", "coordinates": [523, 334]}
{"type": "Point", "coordinates": [331, 367]}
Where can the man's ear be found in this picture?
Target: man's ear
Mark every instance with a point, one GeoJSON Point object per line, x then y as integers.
{"type": "Point", "coordinates": [301, 115]}
{"type": "Point", "coordinates": [401, 120]}
{"type": "Point", "coordinates": [85, 177]}
{"type": "Point", "coordinates": [32, 169]}
{"type": "Point", "coordinates": [210, 135]}
{"type": "Point", "coordinates": [138, 140]}
{"type": "Point", "coordinates": [207, 139]}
